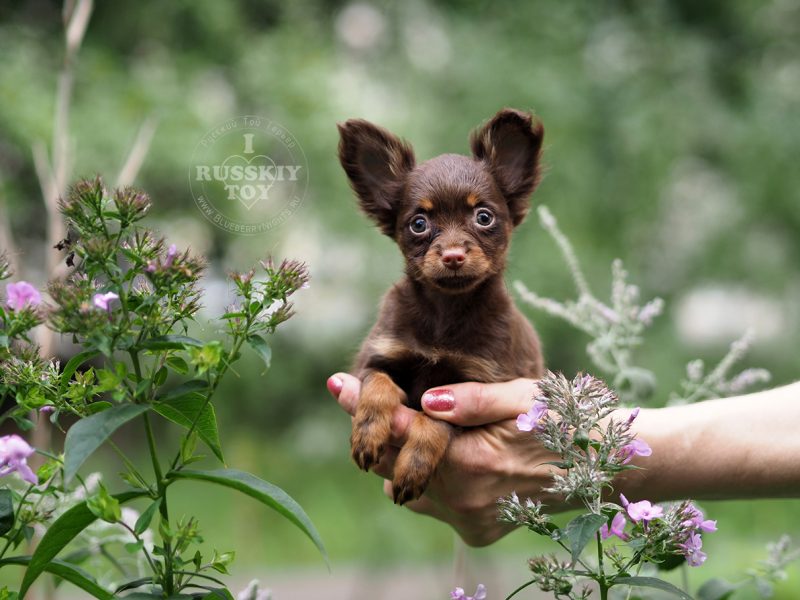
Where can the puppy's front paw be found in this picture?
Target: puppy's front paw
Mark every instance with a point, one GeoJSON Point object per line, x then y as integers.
{"type": "Point", "coordinates": [418, 460]}
{"type": "Point", "coordinates": [368, 440]}
{"type": "Point", "coordinates": [411, 477]}
{"type": "Point", "coordinates": [372, 423]}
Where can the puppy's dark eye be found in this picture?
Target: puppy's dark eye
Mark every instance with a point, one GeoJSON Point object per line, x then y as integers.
{"type": "Point", "coordinates": [419, 225]}
{"type": "Point", "coordinates": [484, 217]}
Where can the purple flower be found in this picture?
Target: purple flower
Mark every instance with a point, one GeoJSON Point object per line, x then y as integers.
{"type": "Point", "coordinates": [21, 295]}
{"type": "Point", "coordinates": [47, 409]}
{"type": "Point", "coordinates": [530, 420]}
{"type": "Point", "coordinates": [643, 510]}
{"type": "Point", "coordinates": [633, 415]}
{"type": "Point", "coordinates": [103, 300]}
{"type": "Point", "coordinates": [691, 550]}
{"type": "Point", "coordinates": [636, 447]}
{"type": "Point", "coordinates": [460, 594]}
{"type": "Point", "coordinates": [697, 520]}
{"type": "Point", "coordinates": [14, 453]}
{"type": "Point", "coordinates": [171, 252]}
{"type": "Point", "coordinates": [617, 527]}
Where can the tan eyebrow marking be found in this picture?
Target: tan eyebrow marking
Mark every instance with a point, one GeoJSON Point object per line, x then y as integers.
{"type": "Point", "coordinates": [472, 200]}
{"type": "Point", "coordinates": [426, 204]}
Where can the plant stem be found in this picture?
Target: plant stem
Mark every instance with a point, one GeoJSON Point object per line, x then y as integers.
{"type": "Point", "coordinates": [519, 589]}
{"type": "Point", "coordinates": [237, 345]}
{"type": "Point", "coordinates": [162, 494]}
{"type": "Point", "coordinates": [13, 533]}
{"type": "Point", "coordinates": [601, 576]}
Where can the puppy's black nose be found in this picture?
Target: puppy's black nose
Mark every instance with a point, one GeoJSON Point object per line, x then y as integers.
{"type": "Point", "coordinates": [453, 258]}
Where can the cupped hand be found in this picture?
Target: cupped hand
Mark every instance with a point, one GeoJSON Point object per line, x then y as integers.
{"type": "Point", "coordinates": [487, 459]}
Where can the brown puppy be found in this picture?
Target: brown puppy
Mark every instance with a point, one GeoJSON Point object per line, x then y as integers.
{"type": "Point", "coordinates": [450, 319]}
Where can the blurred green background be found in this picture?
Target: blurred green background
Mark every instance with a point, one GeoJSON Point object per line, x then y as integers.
{"type": "Point", "coordinates": [672, 140]}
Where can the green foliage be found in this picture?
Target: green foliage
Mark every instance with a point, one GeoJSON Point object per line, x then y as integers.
{"type": "Point", "coordinates": [264, 492]}
{"type": "Point", "coordinates": [128, 304]}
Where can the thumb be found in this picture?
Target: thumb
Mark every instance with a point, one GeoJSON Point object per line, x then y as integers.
{"type": "Point", "coordinates": [471, 404]}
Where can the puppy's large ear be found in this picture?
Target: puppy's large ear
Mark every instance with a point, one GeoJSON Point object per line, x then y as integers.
{"type": "Point", "coordinates": [377, 163]}
{"type": "Point", "coordinates": [511, 144]}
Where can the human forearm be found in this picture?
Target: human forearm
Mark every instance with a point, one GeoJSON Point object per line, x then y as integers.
{"type": "Point", "coordinates": [741, 447]}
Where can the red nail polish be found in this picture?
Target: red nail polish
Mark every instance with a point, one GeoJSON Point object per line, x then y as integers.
{"type": "Point", "coordinates": [439, 400]}
{"type": "Point", "coordinates": [335, 385]}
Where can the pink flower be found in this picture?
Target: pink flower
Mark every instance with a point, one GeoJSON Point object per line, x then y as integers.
{"type": "Point", "coordinates": [617, 527]}
{"type": "Point", "coordinates": [636, 447]}
{"type": "Point", "coordinates": [633, 415]}
{"type": "Point", "coordinates": [641, 511]}
{"type": "Point", "coordinates": [691, 550]}
{"type": "Point", "coordinates": [21, 295]}
{"type": "Point", "coordinates": [14, 453]}
{"type": "Point", "coordinates": [459, 594]}
{"type": "Point", "coordinates": [103, 300]}
{"type": "Point", "coordinates": [530, 420]}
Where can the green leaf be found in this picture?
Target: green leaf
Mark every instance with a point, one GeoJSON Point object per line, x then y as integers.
{"type": "Point", "coordinates": [177, 364]}
{"type": "Point", "coordinates": [170, 342]}
{"type": "Point", "coordinates": [260, 345]}
{"type": "Point", "coordinates": [134, 547]}
{"type": "Point", "coordinates": [99, 406]}
{"type": "Point", "coordinates": [66, 571]}
{"type": "Point", "coordinates": [716, 589]}
{"type": "Point", "coordinates": [184, 410]}
{"type": "Point", "coordinates": [266, 493]}
{"type": "Point", "coordinates": [103, 506]}
{"type": "Point", "coordinates": [106, 380]}
{"type": "Point", "coordinates": [6, 511]}
{"type": "Point", "coordinates": [655, 583]}
{"type": "Point", "coordinates": [187, 387]}
{"type": "Point", "coordinates": [61, 533]}
{"type": "Point", "coordinates": [72, 366]}
{"type": "Point", "coordinates": [143, 522]}
{"type": "Point", "coordinates": [160, 377]}
{"type": "Point", "coordinates": [88, 434]}
{"type": "Point", "coordinates": [581, 530]}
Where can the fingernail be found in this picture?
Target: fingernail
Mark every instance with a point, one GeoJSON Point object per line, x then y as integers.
{"type": "Point", "coordinates": [439, 400]}
{"type": "Point", "coordinates": [335, 385]}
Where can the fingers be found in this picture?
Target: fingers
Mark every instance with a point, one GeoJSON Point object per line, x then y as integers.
{"type": "Point", "coordinates": [471, 404]}
{"type": "Point", "coordinates": [346, 389]}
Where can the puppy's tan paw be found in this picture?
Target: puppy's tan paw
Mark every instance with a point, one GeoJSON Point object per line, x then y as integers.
{"type": "Point", "coordinates": [411, 477]}
{"type": "Point", "coordinates": [368, 441]}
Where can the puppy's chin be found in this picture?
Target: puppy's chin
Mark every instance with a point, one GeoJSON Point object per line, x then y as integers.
{"type": "Point", "coordinates": [455, 284]}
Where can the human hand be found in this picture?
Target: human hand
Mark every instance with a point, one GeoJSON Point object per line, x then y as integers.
{"type": "Point", "coordinates": [488, 459]}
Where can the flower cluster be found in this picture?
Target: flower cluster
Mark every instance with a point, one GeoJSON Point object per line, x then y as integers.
{"type": "Point", "coordinates": [573, 419]}
{"type": "Point", "coordinates": [528, 514]}
{"type": "Point", "coordinates": [616, 328]}
{"type": "Point", "coordinates": [553, 575]}
{"type": "Point", "coordinates": [567, 418]}
{"type": "Point", "coordinates": [719, 382]}
{"type": "Point", "coordinates": [660, 534]}
{"type": "Point", "coordinates": [263, 305]}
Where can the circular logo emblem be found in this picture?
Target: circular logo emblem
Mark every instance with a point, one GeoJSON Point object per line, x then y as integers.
{"type": "Point", "coordinates": [248, 175]}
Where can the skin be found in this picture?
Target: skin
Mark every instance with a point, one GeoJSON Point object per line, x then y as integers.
{"type": "Point", "coordinates": [720, 449]}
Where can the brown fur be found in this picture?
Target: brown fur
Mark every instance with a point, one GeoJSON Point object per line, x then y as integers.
{"type": "Point", "coordinates": [440, 324]}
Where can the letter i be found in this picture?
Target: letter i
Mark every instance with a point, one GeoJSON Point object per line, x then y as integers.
{"type": "Point", "coordinates": [248, 143]}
